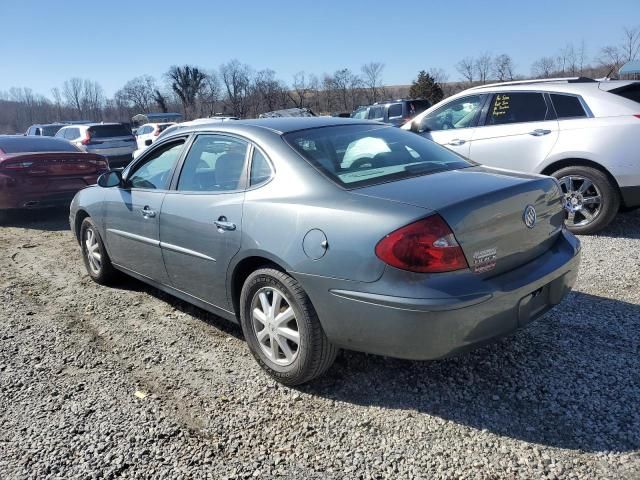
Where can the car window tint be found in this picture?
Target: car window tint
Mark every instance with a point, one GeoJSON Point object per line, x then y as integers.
{"type": "Point", "coordinates": [459, 113]}
{"type": "Point", "coordinates": [376, 113]}
{"type": "Point", "coordinates": [106, 131]}
{"type": "Point", "coordinates": [516, 107]}
{"type": "Point", "coordinates": [567, 106]}
{"type": "Point", "coordinates": [358, 155]}
{"type": "Point", "coordinates": [155, 171]}
{"type": "Point", "coordinates": [72, 133]}
{"type": "Point", "coordinates": [260, 168]}
{"type": "Point", "coordinates": [395, 110]}
{"type": "Point", "coordinates": [214, 163]}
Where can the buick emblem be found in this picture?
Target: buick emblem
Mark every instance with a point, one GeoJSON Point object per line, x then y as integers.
{"type": "Point", "coordinates": [529, 216]}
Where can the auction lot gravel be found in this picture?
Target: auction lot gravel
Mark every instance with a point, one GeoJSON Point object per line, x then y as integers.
{"type": "Point", "coordinates": [100, 382]}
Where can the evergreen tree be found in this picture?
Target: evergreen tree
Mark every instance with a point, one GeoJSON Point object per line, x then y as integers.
{"type": "Point", "coordinates": [426, 87]}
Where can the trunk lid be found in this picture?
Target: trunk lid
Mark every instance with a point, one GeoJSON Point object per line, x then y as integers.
{"type": "Point", "coordinates": [485, 208]}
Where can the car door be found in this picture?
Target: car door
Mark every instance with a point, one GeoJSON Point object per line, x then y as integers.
{"type": "Point", "coordinates": [201, 220]}
{"type": "Point", "coordinates": [132, 212]}
{"type": "Point", "coordinates": [519, 130]}
{"type": "Point", "coordinates": [452, 125]}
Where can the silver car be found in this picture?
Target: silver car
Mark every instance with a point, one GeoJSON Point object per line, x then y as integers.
{"type": "Point", "coordinates": [323, 233]}
{"type": "Point", "coordinates": [114, 141]}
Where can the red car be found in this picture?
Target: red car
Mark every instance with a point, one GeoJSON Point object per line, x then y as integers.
{"type": "Point", "coordinates": [38, 172]}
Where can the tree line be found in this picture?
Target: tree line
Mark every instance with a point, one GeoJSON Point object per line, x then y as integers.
{"type": "Point", "coordinates": [237, 89]}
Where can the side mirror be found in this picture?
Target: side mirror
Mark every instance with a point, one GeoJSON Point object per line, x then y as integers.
{"type": "Point", "coordinates": [110, 179]}
{"type": "Point", "coordinates": [419, 126]}
{"type": "Point", "coordinates": [148, 142]}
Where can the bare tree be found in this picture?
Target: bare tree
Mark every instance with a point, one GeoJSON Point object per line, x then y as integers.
{"type": "Point", "coordinates": [271, 92]}
{"type": "Point", "coordinates": [300, 90]}
{"type": "Point", "coordinates": [72, 90]}
{"type": "Point", "coordinates": [503, 68]}
{"type": "Point", "coordinates": [236, 78]}
{"type": "Point", "coordinates": [210, 94]}
{"type": "Point", "coordinates": [92, 99]}
{"type": "Point", "coordinates": [544, 67]}
{"type": "Point", "coordinates": [631, 44]}
{"type": "Point", "coordinates": [57, 101]}
{"type": "Point", "coordinates": [187, 82]}
{"type": "Point", "coordinates": [466, 68]}
{"type": "Point", "coordinates": [483, 67]}
{"type": "Point", "coordinates": [139, 92]}
{"type": "Point", "coordinates": [161, 100]}
{"type": "Point", "coordinates": [611, 58]}
{"type": "Point", "coordinates": [372, 78]}
{"type": "Point", "coordinates": [581, 55]}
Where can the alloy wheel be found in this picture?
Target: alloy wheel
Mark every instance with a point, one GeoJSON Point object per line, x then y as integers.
{"type": "Point", "coordinates": [274, 323]}
{"type": "Point", "coordinates": [92, 251]}
{"type": "Point", "coordinates": [583, 200]}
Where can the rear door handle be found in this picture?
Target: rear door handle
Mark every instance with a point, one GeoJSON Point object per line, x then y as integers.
{"type": "Point", "coordinates": [147, 212]}
{"type": "Point", "coordinates": [223, 224]}
{"type": "Point", "coordinates": [456, 142]}
{"type": "Point", "coordinates": [538, 132]}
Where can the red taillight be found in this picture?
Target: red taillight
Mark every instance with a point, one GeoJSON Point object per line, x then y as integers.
{"type": "Point", "coordinates": [156, 132]}
{"type": "Point", "coordinates": [426, 246]}
{"type": "Point", "coordinates": [15, 165]}
{"type": "Point", "coordinates": [637, 116]}
{"type": "Point", "coordinates": [87, 138]}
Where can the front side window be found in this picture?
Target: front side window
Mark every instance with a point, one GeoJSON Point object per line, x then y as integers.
{"type": "Point", "coordinates": [358, 155]}
{"type": "Point", "coordinates": [155, 171]}
{"type": "Point", "coordinates": [360, 113]}
{"type": "Point", "coordinates": [214, 163]}
{"type": "Point", "coordinates": [516, 107]}
{"type": "Point", "coordinates": [376, 113]}
{"type": "Point", "coordinates": [567, 106]}
{"type": "Point", "coordinates": [459, 113]}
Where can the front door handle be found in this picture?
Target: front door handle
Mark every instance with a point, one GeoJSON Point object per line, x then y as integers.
{"type": "Point", "coordinates": [456, 142]}
{"type": "Point", "coordinates": [538, 132]}
{"type": "Point", "coordinates": [223, 224]}
{"type": "Point", "coordinates": [147, 212]}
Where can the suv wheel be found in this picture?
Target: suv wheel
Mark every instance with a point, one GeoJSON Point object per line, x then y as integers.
{"type": "Point", "coordinates": [282, 328]}
{"type": "Point", "coordinates": [96, 259]}
{"type": "Point", "coordinates": [591, 198]}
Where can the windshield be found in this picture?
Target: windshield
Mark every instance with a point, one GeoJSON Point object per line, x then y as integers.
{"type": "Point", "coordinates": [358, 155]}
{"type": "Point", "coordinates": [106, 131]}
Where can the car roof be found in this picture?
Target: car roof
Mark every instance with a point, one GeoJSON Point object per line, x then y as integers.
{"type": "Point", "coordinates": [573, 85]}
{"type": "Point", "coordinates": [280, 125]}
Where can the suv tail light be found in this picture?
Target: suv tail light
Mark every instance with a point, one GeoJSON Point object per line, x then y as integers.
{"type": "Point", "coordinates": [156, 132]}
{"type": "Point", "coordinates": [426, 246]}
{"type": "Point", "coordinates": [87, 138]}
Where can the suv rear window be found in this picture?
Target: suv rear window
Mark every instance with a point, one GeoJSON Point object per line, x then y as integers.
{"type": "Point", "coordinates": [630, 92]}
{"type": "Point", "coordinates": [358, 155]}
{"type": "Point", "coordinates": [35, 144]}
{"type": "Point", "coordinates": [567, 106]}
{"type": "Point", "coordinates": [395, 110]}
{"type": "Point", "coordinates": [105, 131]}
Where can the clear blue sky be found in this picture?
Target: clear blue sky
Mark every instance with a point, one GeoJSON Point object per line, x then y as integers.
{"type": "Point", "coordinates": [111, 41]}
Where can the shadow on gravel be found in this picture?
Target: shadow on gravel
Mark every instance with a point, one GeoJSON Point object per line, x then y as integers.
{"type": "Point", "coordinates": [49, 219]}
{"type": "Point", "coordinates": [625, 225]}
{"type": "Point", "coordinates": [570, 380]}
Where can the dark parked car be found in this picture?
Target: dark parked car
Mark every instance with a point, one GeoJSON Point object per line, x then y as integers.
{"type": "Point", "coordinates": [394, 112]}
{"type": "Point", "coordinates": [45, 129]}
{"type": "Point", "coordinates": [324, 233]}
{"type": "Point", "coordinates": [43, 172]}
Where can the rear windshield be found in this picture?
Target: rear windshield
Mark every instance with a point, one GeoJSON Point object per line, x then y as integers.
{"type": "Point", "coordinates": [359, 155]}
{"type": "Point", "coordinates": [50, 130]}
{"type": "Point", "coordinates": [35, 144]}
{"type": "Point", "coordinates": [105, 131]}
{"type": "Point", "coordinates": [631, 92]}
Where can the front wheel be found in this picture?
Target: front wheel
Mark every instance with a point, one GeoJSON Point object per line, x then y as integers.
{"type": "Point", "coordinates": [282, 328]}
{"type": "Point", "coordinates": [591, 198]}
{"type": "Point", "coordinates": [96, 259]}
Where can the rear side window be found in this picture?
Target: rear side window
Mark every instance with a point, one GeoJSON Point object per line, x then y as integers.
{"type": "Point", "coordinates": [567, 106]}
{"type": "Point", "coordinates": [106, 131]}
{"type": "Point", "coordinates": [71, 133]}
{"type": "Point", "coordinates": [50, 130]}
{"type": "Point", "coordinates": [417, 106]}
{"type": "Point", "coordinates": [376, 113]}
{"type": "Point", "coordinates": [516, 107]}
{"type": "Point", "coordinates": [395, 110]}
{"type": "Point", "coordinates": [35, 144]}
{"type": "Point", "coordinates": [260, 169]}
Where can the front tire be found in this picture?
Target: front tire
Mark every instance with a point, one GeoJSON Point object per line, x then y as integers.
{"type": "Point", "coordinates": [592, 199]}
{"type": "Point", "coordinates": [95, 256]}
{"type": "Point", "coordinates": [282, 328]}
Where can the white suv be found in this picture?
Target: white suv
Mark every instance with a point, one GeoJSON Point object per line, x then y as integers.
{"type": "Point", "coordinates": [111, 140]}
{"type": "Point", "coordinates": [147, 133]}
{"type": "Point", "coordinates": [584, 132]}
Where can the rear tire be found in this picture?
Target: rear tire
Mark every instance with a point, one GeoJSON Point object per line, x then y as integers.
{"type": "Point", "coordinates": [287, 341]}
{"type": "Point", "coordinates": [592, 198]}
{"type": "Point", "coordinates": [95, 256]}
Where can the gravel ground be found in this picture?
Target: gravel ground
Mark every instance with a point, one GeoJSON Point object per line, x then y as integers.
{"type": "Point", "coordinates": [100, 382]}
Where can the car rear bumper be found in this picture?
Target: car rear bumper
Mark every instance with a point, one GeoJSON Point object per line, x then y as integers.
{"type": "Point", "coordinates": [436, 327]}
{"type": "Point", "coordinates": [35, 200]}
